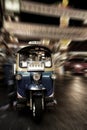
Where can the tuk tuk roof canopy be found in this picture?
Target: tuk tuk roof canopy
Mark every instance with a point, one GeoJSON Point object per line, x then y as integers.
{"type": "Point", "coordinates": [34, 48]}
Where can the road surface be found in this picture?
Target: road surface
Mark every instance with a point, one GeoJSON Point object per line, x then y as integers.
{"type": "Point", "coordinates": [70, 113]}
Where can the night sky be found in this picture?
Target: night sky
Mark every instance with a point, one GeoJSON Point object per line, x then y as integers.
{"type": "Point", "coordinates": [47, 1]}
{"type": "Point", "coordinates": [79, 4]}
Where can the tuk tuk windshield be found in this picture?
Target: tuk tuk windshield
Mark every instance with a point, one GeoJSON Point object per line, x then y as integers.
{"type": "Point", "coordinates": [36, 55]}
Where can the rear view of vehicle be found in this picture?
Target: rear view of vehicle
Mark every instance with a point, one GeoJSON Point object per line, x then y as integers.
{"type": "Point", "coordinates": [76, 65]}
{"type": "Point", "coordinates": [35, 79]}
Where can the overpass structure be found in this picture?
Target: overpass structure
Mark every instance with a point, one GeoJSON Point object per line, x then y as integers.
{"type": "Point", "coordinates": [52, 10]}
{"type": "Point", "coordinates": [27, 31]}
{"type": "Point", "coordinates": [39, 31]}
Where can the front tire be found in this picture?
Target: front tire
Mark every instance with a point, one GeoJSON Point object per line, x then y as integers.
{"type": "Point", "coordinates": [37, 109]}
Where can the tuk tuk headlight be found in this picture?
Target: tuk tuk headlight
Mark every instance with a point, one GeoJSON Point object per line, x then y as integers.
{"type": "Point", "coordinates": [18, 77]}
{"type": "Point", "coordinates": [53, 76]}
{"type": "Point", "coordinates": [36, 76]}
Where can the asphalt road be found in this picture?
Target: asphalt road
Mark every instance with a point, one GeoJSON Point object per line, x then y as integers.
{"type": "Point", "coordinates": [70, 113]}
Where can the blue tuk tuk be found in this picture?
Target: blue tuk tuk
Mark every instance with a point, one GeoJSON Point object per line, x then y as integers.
{"type": "Point", "coordinates": [35, 79]}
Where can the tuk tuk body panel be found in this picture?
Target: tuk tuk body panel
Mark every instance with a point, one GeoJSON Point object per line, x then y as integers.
{"type": "Point", "coordinates": [26, 83]}
{"type": "Point", "coordinates": [25, 69]}
{"type": "Point", "coordinates": [47, 82]}
{"type": "Point", "coordinates": [21, 84]}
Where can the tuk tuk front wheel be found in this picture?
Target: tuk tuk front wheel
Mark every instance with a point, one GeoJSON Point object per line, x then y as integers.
{"type": "Point", "coordinates": [37, 108]}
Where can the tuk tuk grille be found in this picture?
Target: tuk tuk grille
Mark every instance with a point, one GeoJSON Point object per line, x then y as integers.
{"type": "Point", "coordinates": [36, 66]}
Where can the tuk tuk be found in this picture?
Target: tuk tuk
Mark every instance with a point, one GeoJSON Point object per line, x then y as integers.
{"type": "Point", "coordinates": [35, 79]}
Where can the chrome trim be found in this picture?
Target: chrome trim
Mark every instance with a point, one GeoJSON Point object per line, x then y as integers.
{"type": "Point", "coordinates": [19, 96]}
{"type": "Point", "coordinates": [51, 95]}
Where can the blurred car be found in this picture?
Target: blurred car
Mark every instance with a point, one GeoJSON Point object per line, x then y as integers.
{"type": "Point", "coordinates": [76, 65]}
{"type": "Point", "coordinates": [85, 67]}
